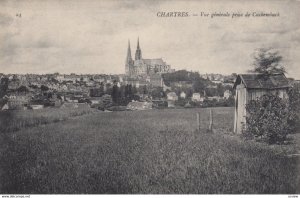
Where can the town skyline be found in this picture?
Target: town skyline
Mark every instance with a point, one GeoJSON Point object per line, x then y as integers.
{"type": "Point", "coordinates": [92, 37]}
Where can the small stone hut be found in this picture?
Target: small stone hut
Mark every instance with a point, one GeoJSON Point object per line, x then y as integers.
{"type": "Point", "coordinates": [252, 86]}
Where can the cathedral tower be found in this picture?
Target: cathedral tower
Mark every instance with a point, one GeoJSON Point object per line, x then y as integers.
{"type": "Point", "coordinates": [138, 52]}
{"type": "Point", "coordinates": [128, 62]}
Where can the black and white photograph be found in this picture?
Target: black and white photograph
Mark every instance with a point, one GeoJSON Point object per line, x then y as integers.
{"type": "Point", "coordinates": [149, 97]}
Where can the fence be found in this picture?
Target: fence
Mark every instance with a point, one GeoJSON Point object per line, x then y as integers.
{"type": "Point", "coordinates": [207, 126]}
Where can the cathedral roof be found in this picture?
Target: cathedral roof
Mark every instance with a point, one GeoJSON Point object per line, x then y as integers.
{"type": "Point", "coordinates": [156, 61]}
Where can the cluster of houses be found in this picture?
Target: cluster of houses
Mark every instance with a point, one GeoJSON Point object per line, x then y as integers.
{"type": "Point", "coordinates": [220, 79]}
{"type": "Point", "coordinates": [196, 97]}
{"type": "Point", "coordinates": [33, 91]}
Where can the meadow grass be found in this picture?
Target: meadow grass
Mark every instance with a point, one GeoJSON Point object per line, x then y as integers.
{"type": "Point", "coordinates": [19, 119]}
{"type": "Point", "coordinates": [155, 151]}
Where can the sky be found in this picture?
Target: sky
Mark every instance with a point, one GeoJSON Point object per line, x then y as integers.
{"type": "Point", "coordinates": [91, 36]}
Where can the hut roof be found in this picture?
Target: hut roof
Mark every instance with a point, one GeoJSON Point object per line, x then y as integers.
{"type": "Point", "coordinates": [260, 81]}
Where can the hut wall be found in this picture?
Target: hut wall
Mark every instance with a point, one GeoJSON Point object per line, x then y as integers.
{"type": "Point", "coordinates": [254, 94]}
{"type": "Point", "coordinates": [240, 110]}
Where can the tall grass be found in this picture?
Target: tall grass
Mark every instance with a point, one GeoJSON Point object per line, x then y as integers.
{"type": "Point", "coordinates": [18, 119]}
{"type": "Point", "coordinates": [142, 152]}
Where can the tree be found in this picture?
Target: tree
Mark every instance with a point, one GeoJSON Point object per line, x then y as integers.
{"type": "Point", "coordinates": [33, 86]}
{"type": "Point", "coordinates": [129, 92]}
{"type": "Point", "coordinates": [108, 88]}
{"type": "Point", "coordinates": [198, 86]}
{"type": "Point", "coordinates": [157, 93]}
{"type": "Point", "coordinates": [134, 90]}
{"type": "Point", "coordinates": [220, 90]}
{"type": "Point", "coordinates": [22, 88]}
{"type": "Point", "coordinates": [126, 91]}
{"type": "Point", "coordinates": [44, 88]}
{"type": "Point", "coordinates": [107, 100]}
{"type": "Point", "coordinates": [3, 86]}
{"type": "Point", "coordinates": [145, 90]}
{"type": "Point", "coordinates": [115, 93]}
{"type": "Point", "coordinates": [267, 61]}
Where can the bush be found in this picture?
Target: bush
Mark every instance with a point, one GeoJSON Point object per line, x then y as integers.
{"type": "Point", "coordinates": [107, 100]}
{"type": "Point", "coordinates": [181, 102]}
{"type": "Point", "coordinates": [294, 109]}
{"type": "Point", "coordinates": [267, 119]}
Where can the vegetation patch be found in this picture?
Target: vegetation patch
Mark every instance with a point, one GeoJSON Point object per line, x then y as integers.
{"type": "Point", "coordinates": [13, 120]}
{"type": "Point", "coordinates": [154, 151]}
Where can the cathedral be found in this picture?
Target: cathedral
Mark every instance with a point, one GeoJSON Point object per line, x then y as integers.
{"type": "Point", "coordinates": [144, 67]}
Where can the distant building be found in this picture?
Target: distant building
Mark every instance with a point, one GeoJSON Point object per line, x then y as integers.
{"type": "Point", "coordinates": [227, 94]}
{"type": "Point", "coordinates": [196, 97]}
{"type": "Point", "coordinates": [18, 102]}
{"type": "Point", "coordinates": [140, 66]}
{"type": "Point", "coordinates": [183, 95]}
{"type": "Point", "coordinates": [171, 98]}
{"type": "Point", "coordinates": [60, 78]}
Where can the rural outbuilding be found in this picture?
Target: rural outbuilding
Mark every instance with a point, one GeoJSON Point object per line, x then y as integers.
{"type": "Point", "coordinates": [171, 98]}
{"type": "Point", "coordinates": [196, 97]}
{"type": "Point", "coordinates": [251, 87]}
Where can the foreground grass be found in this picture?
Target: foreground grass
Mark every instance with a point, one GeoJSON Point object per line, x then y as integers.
{"type": "Point", "coordinates": [154, 151]}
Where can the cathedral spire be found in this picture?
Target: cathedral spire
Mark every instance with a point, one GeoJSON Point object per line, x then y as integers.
{"type": "Point", "coordinates": [138, 52]}
{"type": "Point", "coordinates": [128, 58]}
{"type": "Point", "coordinates": [138, 43]}
{"type": "Point", "coordinates": [128, 61]}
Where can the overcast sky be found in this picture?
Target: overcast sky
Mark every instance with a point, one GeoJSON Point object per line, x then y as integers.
{"type": "Point", "coordinates": [91, 36]}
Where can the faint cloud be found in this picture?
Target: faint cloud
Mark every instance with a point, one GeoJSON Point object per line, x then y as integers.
{"type": "Point", "coordinates": [5, 19]}
{"type": "Point", "coordinates": [214, 26]}
{"type": "Point", "coordinates": [41, 43]}
{"type": "Point", "coordinates": [8, 46]}
{"type": "Point", "coordinates": [230, 37]}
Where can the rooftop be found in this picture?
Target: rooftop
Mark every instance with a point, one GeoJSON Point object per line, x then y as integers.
{"type": "Point", "coordinates": [260, 81]}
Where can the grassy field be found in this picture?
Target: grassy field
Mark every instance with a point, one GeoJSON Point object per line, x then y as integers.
{"type": "Point", "coordinates": [20, 119]}
{"type": "Point", "coordinates": [155, 151]}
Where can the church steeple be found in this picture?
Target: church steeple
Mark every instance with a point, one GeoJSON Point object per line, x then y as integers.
{"type": "Point", "coordinates": [138, 52]}
{"type": "Point", "coordinates": [129, 61]}
{"type": "Point", "coordinates": [138, 44]}
{"type": "Point", "coordinates": [128, 58]}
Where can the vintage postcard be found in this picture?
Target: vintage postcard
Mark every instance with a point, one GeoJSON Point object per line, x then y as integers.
{"type": "Point", "coordinates": [149, 97]}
